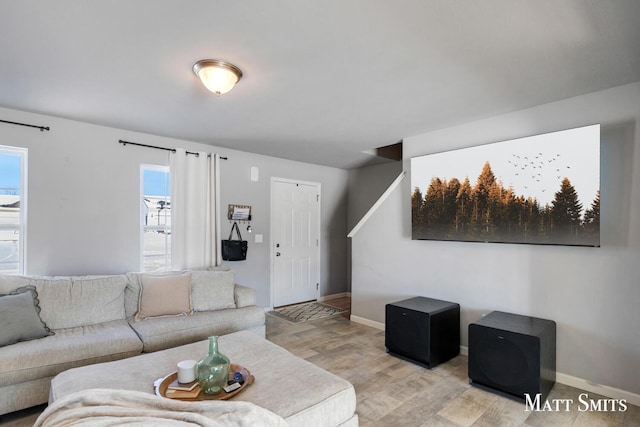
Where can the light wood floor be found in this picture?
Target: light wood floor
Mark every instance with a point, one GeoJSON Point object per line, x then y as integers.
{"type": "Point", "coordinates": [393, 392]}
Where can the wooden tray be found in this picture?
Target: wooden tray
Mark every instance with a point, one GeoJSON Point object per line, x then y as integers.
{"type": "Point", "coordinates": [161, 389]}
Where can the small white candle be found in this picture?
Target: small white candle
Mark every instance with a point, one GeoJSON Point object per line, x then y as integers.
{"type": "Point", "coordinates": [186, 371]}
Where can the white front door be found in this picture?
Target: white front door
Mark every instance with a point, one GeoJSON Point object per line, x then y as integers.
{"type": "Point", "coordinates": [295, 241]}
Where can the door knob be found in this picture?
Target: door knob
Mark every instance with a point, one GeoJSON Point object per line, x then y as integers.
{"type": "Point", "coordinates": [277, 253]}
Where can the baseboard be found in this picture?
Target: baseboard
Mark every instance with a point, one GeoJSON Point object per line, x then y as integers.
{"type": "Point", "coordinates": [367, 322]}
{"type": "Point", "coordinates": [604, 390]}
{"type": "Point", "coordinates": [335, 296]}
{"type": "Point", "coordinates": [580, 383]}
{"type": "Point", "coordinates": [464, 350]}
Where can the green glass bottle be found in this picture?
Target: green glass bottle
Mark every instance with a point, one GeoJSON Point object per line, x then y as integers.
{"type": "Point", "coordinates": [213, 369]}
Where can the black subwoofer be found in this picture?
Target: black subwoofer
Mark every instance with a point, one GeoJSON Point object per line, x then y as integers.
{"type": "Point", "coordinates": [513, 354]}
{"type": "Point", "coordinates": [423, 330]}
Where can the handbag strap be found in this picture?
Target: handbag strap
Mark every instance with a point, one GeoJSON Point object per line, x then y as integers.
{"type": "Point", "coordinates": [235, 226]}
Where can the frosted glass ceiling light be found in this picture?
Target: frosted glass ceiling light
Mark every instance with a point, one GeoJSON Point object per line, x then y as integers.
{"type": "Point", "coordinates": [217, 76]}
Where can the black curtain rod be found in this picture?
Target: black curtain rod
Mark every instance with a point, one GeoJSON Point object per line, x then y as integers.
{"type": "Point", "coordinates": [42, 128]}
{"type": "Point", "coordinates": [173, 150]}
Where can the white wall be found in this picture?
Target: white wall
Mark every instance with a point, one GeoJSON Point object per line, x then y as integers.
{"type": "Point", "coordinates": [592, 293]}
{"type": "Point", "coordinates": [83, 200]}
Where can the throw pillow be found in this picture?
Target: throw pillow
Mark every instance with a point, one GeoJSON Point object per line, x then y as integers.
{"type": "Point", "coordinates": [164, 295]}
{"type": "Point", "coordinates": [19, 317]}
{"type": "Point", "coordinates": [212, 289]}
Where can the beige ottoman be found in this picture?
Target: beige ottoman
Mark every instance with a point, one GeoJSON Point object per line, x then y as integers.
{"type": "Point", "coordinates": [300, 392]}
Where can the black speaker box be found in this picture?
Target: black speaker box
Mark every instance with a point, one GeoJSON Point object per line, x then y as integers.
{"type": "Point", "coordinates": [513, 354]}
{"type": "Point", "coordinates": [423, 330]}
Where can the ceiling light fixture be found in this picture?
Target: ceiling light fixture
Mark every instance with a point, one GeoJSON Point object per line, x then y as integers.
{"type": "Point", "coordinates": [217, 76]}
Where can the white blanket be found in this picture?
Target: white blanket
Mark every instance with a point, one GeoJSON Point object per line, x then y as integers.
{"type": "Point", "coordinates": [106, 407]}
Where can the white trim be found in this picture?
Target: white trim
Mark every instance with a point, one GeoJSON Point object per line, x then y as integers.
{"type": "Point", "coordinates": [378, 325]}
{"type": "Point", "coordinates": [141, 220]}
{"type": "Point", "coordinates": [377, 204]}
{"type": "Point", "coordinates": [153, 168]}
{"type": "Point", "coordinates": [217, 208]}
{"type": "Point", "coordinates": [334, 296]}
{"type": "Point", "coordinates": [367, 322]}
{"type": "Point", "coordinates": [582, 384]}
{"type": "Point", "coordinates": [604, 390]}
{"type": "Point", "coordinates": [23, 188]}
{"type": "Point", "coordinates": [24, 203]}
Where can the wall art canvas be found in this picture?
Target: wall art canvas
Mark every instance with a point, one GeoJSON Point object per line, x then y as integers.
{"type": "Point", "coordinates": [543, 189]}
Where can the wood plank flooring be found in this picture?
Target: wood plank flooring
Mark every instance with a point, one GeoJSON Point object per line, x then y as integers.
{"type": "Point", "coordinates": [393, 392]}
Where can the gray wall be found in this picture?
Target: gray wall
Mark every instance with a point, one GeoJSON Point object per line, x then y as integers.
{"type": "Point", "coordinates": [592, 293]}
{"type": "Point", "coordinates": [365, 187]}
{"type": "Point", "coordinates": [238, 189]}
{"type": "Point", "coordinates": [83, 201]}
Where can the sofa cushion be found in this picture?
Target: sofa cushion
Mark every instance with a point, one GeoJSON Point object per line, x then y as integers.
{"type": "Point", "coordinates": [45, 286]}
{"type": "Point", "coordinates": [102, 297]}
{"type": "Point", "coordinates": [68, 302]}
{"type": "Point", "coordinates": [160, 333]}
{"type": "Point", "coordinates": [244, 296]}
{"type": "Point", "coordinates": [164, 295]}
{"type": "Point", "coordinates": [132, 295]}
{"type": "Point", "coordinates": [68, 348]}
{"type": "Point", "coordinates": [19, 317]}
{"type": "Point", "coordinates": [212, 289]}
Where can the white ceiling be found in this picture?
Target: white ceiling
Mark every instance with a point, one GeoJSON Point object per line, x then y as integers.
{"type": "Point", "coordinates": [323, 80]}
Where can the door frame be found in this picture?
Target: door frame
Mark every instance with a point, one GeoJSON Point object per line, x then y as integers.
{"type": "Point", "coordinates": [272, 248]}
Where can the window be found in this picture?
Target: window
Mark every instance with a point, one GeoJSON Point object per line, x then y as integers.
{"type": "Point", "coordinates": [13, 208]}
{"type": "Point", "coordinates": [156, 218]}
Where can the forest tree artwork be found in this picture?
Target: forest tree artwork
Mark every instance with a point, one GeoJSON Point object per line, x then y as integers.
{"type": "Point", "coordinates": [543, 189]}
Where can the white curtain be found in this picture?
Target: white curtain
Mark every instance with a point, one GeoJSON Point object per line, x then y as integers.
{"type": "Point", "coordinates": [195, 205]}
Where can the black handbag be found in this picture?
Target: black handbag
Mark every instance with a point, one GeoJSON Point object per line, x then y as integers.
{"type": "Point", "coordinates": [234, 250]}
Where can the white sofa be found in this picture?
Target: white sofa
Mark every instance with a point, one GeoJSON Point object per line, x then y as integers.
{"type": "Point", "coordinates": [93, 320]}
